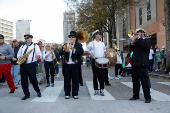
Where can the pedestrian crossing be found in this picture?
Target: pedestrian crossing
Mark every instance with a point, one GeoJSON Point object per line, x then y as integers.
{"type": "Point", "coordinates": [51, 94]}
{"type": "Point", "coordinates": [156, 95]}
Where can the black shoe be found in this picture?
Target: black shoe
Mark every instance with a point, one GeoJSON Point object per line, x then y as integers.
{"type": "Point", "coordinates": [11, 92]}
{"type": "Point", "coordinates": [25, 97]}
{"type": "Point", "coordinates": [147, 101]}
{"type": "Point", "coordinates": [39, 94]}
{"type": "Point", "coordinates": [81, 84]}
{"type": "Point", "coordinates": [108, 84]}
{"type": "Point", "coordinates": [133, 98]}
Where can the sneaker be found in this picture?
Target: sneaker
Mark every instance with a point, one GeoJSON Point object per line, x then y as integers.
{"type": "Point", "coordinates": [47, 85]}
{"type": "Point", "coordinates": [116, 78]}
{"type": "Point", "coordinates": [52, 84]}
{"type": "Point", "coordinates": [57, 75]}
{"type": "Point", "coordinates": [102, 92]}
{"type": "Point", "coordinates": [3, 84]}
{"type": "Point", "coordinates": [96, 92]}
{"type": "Point", "coordinates": [119, 77]}
{"type": "Point", "coordinates": [67, 97]}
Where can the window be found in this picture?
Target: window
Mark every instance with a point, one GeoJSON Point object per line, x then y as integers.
{"type": "Point", "coordinates": [140, 16]}
{"type": "Point", "coordinates": [148, 10]}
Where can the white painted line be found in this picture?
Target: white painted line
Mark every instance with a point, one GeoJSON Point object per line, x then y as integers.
{"type": "Point", "coordinates": [156, 95]}
{"type": "Point", "coordinates": [107, 96]}
{"type": "Point", "coordinates": [50, 94]}
{"type": "Point", "coordinates": [165, 83]}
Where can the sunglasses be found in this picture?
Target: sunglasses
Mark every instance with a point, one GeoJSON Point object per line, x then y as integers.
{"type": "Point", "coordinates": [71, 36]}
{"type": "Point", "coordinates": [26, 38]}
{"type": "Point", "coordinates": [1, 38]}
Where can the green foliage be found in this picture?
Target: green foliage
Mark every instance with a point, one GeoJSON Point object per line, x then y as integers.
{"type": "Point", "coordinates": [99, 14]}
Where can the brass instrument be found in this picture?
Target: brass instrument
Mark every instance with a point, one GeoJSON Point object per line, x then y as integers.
{"type": "Point", "coordinates": [55, 58]}
{"type": "Point", "coordinates": [132, 34]}
{"type": "Point", "coordinates": [25, 57]}
{"type": "Point", "coordinates": [81, 36]}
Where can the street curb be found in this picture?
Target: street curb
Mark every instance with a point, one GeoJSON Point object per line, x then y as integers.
{"type": "Point", "coordinates": [162, 76]}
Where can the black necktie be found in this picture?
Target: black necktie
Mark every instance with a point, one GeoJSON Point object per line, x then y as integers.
{"type": "Point", "coordinates": [26, 50]}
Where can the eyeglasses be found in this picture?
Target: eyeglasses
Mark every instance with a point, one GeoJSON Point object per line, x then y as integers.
{"type": "Point", "coordinates": [26, 38]}
{"type": "Point", "coordinates": [1, 38]}
{"type": "Point", "coordinates": [71, 36]}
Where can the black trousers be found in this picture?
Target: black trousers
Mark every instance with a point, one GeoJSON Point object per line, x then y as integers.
{"type": "Point", "coordinates": [80, 75]}
{"type": "Point", "coordinates": [99, 74]}
{"type": "Point", "coordinates": [49, 66]}
{"type": "Point", "coordinates": [106, 76]}
{"type": "Point", "coordinates": [118, 66]}
{"type": "Point", "coordinates": [141, 74]}
{"type": "Point", "coordinates": [151, 65]}
{"type": "Point", "coordinates": [28, 70]}
{"type": "Point", "coordinates": [71, 74]}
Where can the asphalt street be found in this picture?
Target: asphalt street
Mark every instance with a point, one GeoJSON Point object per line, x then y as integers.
{"type": "Point", "coordinates": [115, 99]}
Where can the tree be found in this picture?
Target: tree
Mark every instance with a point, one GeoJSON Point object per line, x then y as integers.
{"type": "Point", "coordinates": [167, 29]}
{"type": "Point", "coordinates": [99, 14]}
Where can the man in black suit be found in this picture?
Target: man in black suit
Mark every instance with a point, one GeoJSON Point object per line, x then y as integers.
{"type": "Point", "coordinates": [71, 65]}
{"type": "Point", "coordinates": [140, 62]}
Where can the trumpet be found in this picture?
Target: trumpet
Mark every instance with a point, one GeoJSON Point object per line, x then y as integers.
{"type": "Point", "coordinates": [132, 34]}
{"type": "Point", "coordinates": [55, 57]}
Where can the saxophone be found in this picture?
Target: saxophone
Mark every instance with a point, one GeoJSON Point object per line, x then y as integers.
{"type": "Point", "coordinates": [25, 57]}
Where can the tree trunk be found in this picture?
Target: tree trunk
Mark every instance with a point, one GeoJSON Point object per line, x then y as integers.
{"type": "Point", "coordinates": [167, 28]}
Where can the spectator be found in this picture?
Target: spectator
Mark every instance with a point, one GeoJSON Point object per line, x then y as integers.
{"type": "Point", "coordinates": [158, 59]}
{"type": "Point", "coordinates": [151, 56]}
{"type": "Point", "coordinates": [88, 62]}
{"type": "Point", "coordinates": [15, 67]}
{"type": "Point", "coordinates": [6, 54]}
{"type": "Point", "coordinates": [155, 64]}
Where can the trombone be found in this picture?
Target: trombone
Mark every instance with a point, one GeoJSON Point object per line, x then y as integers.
{"type": "Point", "coordinates": [132, 34]}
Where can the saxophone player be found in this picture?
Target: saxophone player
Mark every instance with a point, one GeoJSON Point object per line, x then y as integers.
{"type": "Point", "coordinates": [28, 68]}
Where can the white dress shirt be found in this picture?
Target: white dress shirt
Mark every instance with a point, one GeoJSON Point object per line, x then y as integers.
{"type": "Point", "coordinates": [119, 59]}
{"type": "Point", "coordinates": [70, 54]}
{"type": "Point", "coordinates": [96, 48]}
{"type": "Point", "coordinates": [49, 58]}
{"type": "Point", "coordinates": [30, 56]}
{"type": "Point", "coordinates": [150, 54]}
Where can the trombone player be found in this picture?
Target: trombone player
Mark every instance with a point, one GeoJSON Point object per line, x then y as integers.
{"type": "Point", "coordinates": [140, 62]}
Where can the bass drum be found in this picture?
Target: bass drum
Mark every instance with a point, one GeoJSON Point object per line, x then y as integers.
{"type": "Point", "coordinates": [112, 56]}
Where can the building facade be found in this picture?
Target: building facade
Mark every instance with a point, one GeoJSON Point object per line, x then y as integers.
{"type": "Point", "coordinates": [6, 29]}
{"type": "Point", "coordinates": [68, 24]}
{"type": "Point", "coordinates": [149, 15]}
{"type": "Point", "coordinates": [22, 28]}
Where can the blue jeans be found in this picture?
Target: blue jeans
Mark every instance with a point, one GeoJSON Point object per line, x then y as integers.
{"type": "Point", "coordinates": [14, 73]}
{"type": "Point", "coordinates": [57, 68]}
{"type": "Point", "coordinates": [36, 67]}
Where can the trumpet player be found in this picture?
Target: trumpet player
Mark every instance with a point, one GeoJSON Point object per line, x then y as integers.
{"type": "Point", "coordinates": [48, 63]}
{"type": "Point", "coordinates": [140, 62]}
{"type": "Point", "coordinates": [71, 65]}
{"type": "Point", "coordinates": [28, 68]}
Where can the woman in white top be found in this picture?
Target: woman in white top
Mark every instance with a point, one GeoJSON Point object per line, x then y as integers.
{"type": "Point", "coordinates": [48, 64]}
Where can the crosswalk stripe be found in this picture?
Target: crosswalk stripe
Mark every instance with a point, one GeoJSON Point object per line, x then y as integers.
{"type": "Point", "coordinates": [50, 94]}
{"type": "Point", "coordinates": [156, 95]}
{"type": "Point", "coordinates": [165, 83]}
{"type": "Point", "coordinates": [107, 96]}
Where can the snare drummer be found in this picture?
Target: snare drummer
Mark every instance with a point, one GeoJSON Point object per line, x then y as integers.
{"type": "Point", "coordinates": [96, 49]}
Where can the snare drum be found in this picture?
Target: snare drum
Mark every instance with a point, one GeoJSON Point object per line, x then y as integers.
{"type": "Point", "coordinates": [102, 63]}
